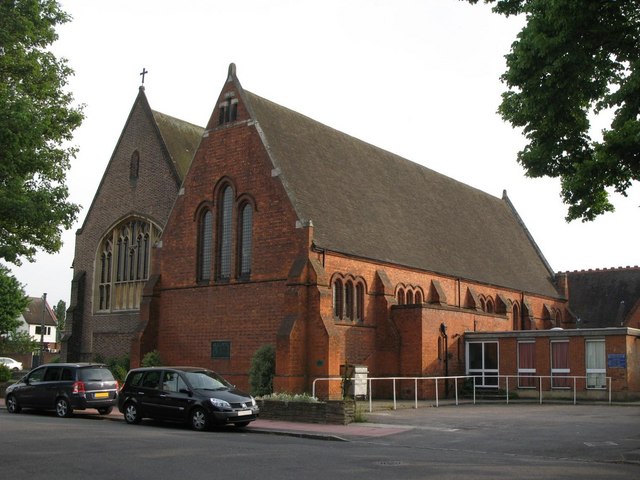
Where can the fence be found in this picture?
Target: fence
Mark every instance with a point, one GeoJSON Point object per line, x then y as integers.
{"type": "Point", "coordinates": [436, 380]}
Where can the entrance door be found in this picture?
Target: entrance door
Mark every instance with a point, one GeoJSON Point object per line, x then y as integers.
{"type": "Point", "coordinates": [482, 362]}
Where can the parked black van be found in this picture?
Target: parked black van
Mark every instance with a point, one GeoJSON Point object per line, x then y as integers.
{"type": "Point", "coordinates": [188, 394]}
{"type": "Point", "coordinates": [64, 387]}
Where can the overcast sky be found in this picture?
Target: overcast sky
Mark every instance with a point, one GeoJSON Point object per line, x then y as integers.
{"type": "Point", "coordinates": [419, 78]}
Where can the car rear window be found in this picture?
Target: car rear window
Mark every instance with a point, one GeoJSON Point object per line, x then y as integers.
{"type": "Point", "coordinates": [96, 375]}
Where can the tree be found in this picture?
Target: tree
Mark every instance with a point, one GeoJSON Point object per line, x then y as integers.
{"type": "Point", "coordinates": [61, 314]}
{"type": "Point", "coordinates": [14, 301]}
{"type": "Point", "coordinates": [36, 121]}
{"type": "Point", "coordinates": [574, 59]}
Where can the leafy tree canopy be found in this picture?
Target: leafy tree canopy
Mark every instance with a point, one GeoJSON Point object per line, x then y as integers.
{"type": "Point", "coordinates": [572, 59]}
{"type": "Point", "coordinates": [13, 301]}
{"type": "Point", "coordinates": [36, 120]}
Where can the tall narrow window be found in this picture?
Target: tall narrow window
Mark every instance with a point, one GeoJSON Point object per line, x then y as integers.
{"type": "Point", "coordinates": [560, 364]}
{"type": "Point", "coordinates": [359, 302]}
{"type": "Point", "coordinates": [134, 165]}
{"type": "Point", "coordinates": [596, 364]}
{"type": "Point", "coordinates": [401, 297]}
{"type": "Point", "coordinates": [526, 364]}
{"type": "Point", "coordinates": [348, 301]}
{"type": "Point", "coordinates": [418, 298]}
{"type": "Point", "coordinates": [246, 240]}
{"type": "Point", "coordinates": [205, 236]}
{"type": "Point", "coordinates": [409, 297]}
{"type": "Point", "coordinates": [337, 299]}
{"type": "Point", "coordinates": [225, 233]}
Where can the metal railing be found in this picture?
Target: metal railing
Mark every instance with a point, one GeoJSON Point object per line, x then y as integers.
{"type": "Point", "coordinates": [455, 379]}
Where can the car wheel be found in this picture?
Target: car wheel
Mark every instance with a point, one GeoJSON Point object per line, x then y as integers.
{"type": "Point", "coordinates": [12, 404]}
{"type": "Point", "coordinates": [241, 424]}
{"type": "Point", "coordinates": [63, 409]}
{"type": "Point", "coordinates": [199, 419]}
{"type": "Point", "coordinates": [105, 410]}
{"type": "Point", "coordinates": [131, 413]}
{"type": "Point", "coordinates": [16, 369]}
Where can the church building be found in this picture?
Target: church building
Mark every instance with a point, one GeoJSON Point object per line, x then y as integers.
{"type": "Point", "coordinates": [113, 249]}
{"type": "Point", "coordinates": [268, 227]}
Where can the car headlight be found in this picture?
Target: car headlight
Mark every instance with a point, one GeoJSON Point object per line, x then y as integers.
{"type": "Point", "coordinates": [216, 402]}
{"type": "Point", "coordinates": [253, 402]}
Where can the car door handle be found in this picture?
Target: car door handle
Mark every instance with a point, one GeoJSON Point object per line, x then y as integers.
{"type": "Point", "coordinates": [140, 393]}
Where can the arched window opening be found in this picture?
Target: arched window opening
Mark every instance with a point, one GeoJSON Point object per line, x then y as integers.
{"type": "Point", "coordinates": [401, 297]}
{"type": "Point", "coordinates": [419, 298]}
{"type": "Point", "coordinates": [122, 289]}
{"type": "Point", "coordinates": [134, 165]}
{"type": "Point", "coordinates": [225, 245]}
{"type": "Point", "coordinates": [348, 301]}
{"type": "Point", "coordinates": [516, 317]}
{"type": "Point", "coordinates": [205, 237]}
{"type": "Point", "coordinates": [409, 297]}
{"type": "Point", "coordinates": [337, 299]}
{"type": "Point", "coordinates": [483, 304]}
{"type": "Point", "coordinates": [359, 302]}
{"type": "Point", "coordinates": [246, 240]}
{"type": "Point", "coordinates": [489, 306]}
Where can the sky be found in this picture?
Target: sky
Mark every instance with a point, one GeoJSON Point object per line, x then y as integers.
{"type": "Point", "coordinates": [420, 78]}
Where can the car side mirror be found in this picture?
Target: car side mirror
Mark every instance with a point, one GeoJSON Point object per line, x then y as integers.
{"type": "Point", "coordinates": [187, 391]}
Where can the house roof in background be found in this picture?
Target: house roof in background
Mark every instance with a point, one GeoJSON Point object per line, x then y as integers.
{"type": "Point", "coordinates": [603, 297]}
{"type": "Point", "coordinates": [33, 314]}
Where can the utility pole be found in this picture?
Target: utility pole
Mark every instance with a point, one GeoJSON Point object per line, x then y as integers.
{"type": "Point", "coordinates": [44, 307]}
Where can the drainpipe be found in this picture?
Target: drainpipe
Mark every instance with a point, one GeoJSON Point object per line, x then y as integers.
{"type": "Point", "coordinates": [443, 332]}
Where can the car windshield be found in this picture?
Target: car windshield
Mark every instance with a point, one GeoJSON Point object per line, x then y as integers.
{"type": "Point", "coordinates": [96, 375]}
{"type": "Point", "coordinates": [206, 381]}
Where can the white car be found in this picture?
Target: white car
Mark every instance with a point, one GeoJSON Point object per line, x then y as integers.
{"type": "Point", "coordinates": [11, 363]}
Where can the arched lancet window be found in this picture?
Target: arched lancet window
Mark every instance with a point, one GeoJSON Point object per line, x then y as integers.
{"type": "Point", "coordinates": [225, 233]}
{"type": "Point", "coordinates": [205, 238]}
{"type": "Point", "coordinates": [337, 299]}
{"type": "Point", "coordinates": [409, 297]}
{"type": "Point", "coordinates": [483, 304]}
{"type": "Point", "coordinates": [348, 300]}
{"type": "Point", "coordinates": [516, 317]}
{"type": "Point", "coordinates": [105, 276]}
{"type": "Point", "coordinates": [134, 165]}
{"type": "Point", "coordinates": [418, 297]}
{"type": "Point", "coordinates": [359, 302]}
{"type": "Point", "coordinates": [246, 240]}
{"type": "Point", "coordinates": [401, 296]}
{"type": "Point", "coordinates": [489, 306]}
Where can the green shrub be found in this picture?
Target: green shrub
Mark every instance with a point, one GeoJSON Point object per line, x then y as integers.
{"type": "Point", "coordinates": [119, 367]}
{"type": "Point", "coordinates": [5, 373]}
{"type": "Point", "coordinates": [152, 359]}
{"type": "Point", "coordinates": [262, 371]}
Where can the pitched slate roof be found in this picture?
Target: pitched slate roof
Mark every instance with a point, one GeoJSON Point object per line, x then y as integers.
{"type": "Point", "coordinates": [604, 297]}
{"type": "Point", "coordinates": [368, 202]}
{"type": "Point", "coordinates": [181, 139]}
{"type": "Point", "coordinates": [33, 314]}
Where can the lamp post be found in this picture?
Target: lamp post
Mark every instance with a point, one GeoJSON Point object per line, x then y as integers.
{"type": "Point", "coordinates": [41, 357]}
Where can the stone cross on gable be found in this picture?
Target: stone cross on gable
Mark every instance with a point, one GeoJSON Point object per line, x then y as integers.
{"type": "Point", "coordinates": [143, 73]}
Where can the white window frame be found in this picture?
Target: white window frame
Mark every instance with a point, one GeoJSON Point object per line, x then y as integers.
{"type": "Point", "coordinates": [525, 372]}
{"type": "Point", "coordinates": [594, 373]}
{"type": "Point", "coordinates": [484, 372]}
{"type": "Point", "coordinates": [562, 373]}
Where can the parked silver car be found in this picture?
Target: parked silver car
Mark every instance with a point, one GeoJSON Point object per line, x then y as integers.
{"type": "Point", "coordinates": [12, 364]}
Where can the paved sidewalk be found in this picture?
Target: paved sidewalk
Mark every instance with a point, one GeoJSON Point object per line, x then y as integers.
{"type": "Point", "coordinates": [352, 431]}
